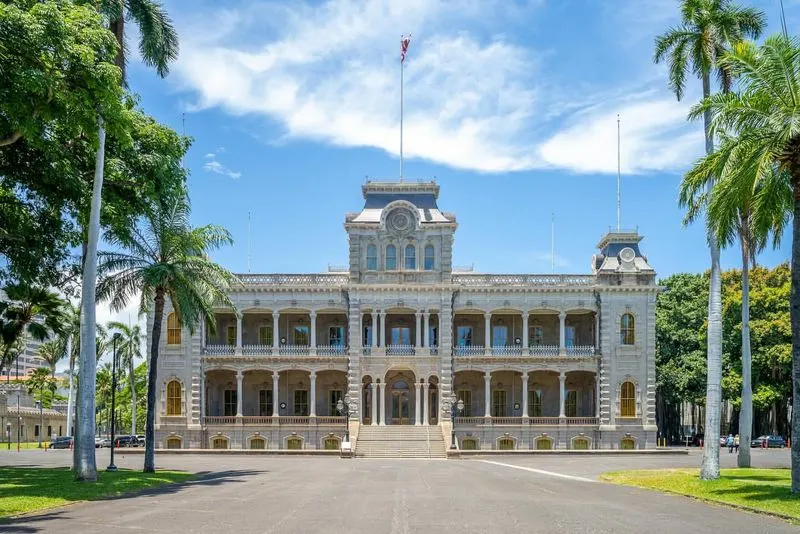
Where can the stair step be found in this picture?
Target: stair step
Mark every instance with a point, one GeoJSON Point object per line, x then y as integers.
{"type": "Point", "coordinates": [396, 441]}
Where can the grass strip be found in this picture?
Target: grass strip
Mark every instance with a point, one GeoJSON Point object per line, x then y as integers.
{"type": "Point", "coordinates": [760, 490]}
{"type": "Point", "coordinates": [29, 489]}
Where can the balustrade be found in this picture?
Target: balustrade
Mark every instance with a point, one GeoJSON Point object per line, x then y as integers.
{"type": "Point", "coordinates": [256, 350]}
{"type": "Point", "coordinates": [257, 420]}
{"type": "Point", "coordinates": [400, 350]}
{"type": "Point", "coordinates": [219, 350]}
{"type": "Point", "coordinates": [220, 420]}
{"type": "Point", "coordinates": [331, 350]}
{"type": "Point", "coordinates": [470, 420]}
{"type": "Point", "coordinates": [472, 350]}
{"type": "Point", "coordinates": [523, 279]}
{"type": "Point", "coordinates": [506, 420]}
{"type": "Point", "coordinates": [330, 420]}
{"type": "Point", "coordinates": [549, 421]}
{"type": "Point", "coordinates": [581, 420]}
{"type": "Point", "coordinates": [544, 350]}
{"type": "Point", "coordinates": [507, 350]}
{"type": "Point", "coordinates": [330, 279]}
{"type": "Point", "coordinates": [581, 350]}
{"type": "Point", "coordinates": [294, 350]}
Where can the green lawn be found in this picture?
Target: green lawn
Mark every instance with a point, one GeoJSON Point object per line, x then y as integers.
{"type": "Point", "coordinates": [762, 490]}
{"type": "Point", "coordinates": [26, 489]}
{"type": "Point", "coordinates": [23, 445]}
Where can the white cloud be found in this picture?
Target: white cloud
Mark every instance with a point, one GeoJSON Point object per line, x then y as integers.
{"type": "Point", "coordinates": [213, 165]}
{"type": "Point", "coordinates": [473, 100]}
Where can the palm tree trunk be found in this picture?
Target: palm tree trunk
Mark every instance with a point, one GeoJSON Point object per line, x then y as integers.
{"type": "Point", "coordinates": [709, 469]}
{"type": "Point", "coordinates": [746, 413]}
{"type": "Point", "coordinates": [149, 427]}
{"type": "Point", "coordinates": [85, 462]}
{"type": "Point", "coordinates": [71, 398]}
{"type": "Point", "coordinates": [794, 311]}
{"type": "Point", "coordinates": [133, 393]}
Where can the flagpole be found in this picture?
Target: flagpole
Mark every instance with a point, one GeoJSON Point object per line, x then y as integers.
{"type": "Point", "coordinates": [401, 111]}
{"type": "Point", "coordinates": [619, 178]}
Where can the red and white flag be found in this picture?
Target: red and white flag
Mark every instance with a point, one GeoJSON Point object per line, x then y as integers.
{"type": "Point", "coordinates": [404, 42]}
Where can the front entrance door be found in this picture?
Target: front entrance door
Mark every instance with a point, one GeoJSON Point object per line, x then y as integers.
{"type": "Point", "coordinates": [400, 405]}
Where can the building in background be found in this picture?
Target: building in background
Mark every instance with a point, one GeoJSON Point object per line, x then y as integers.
{"type": "Point", "coordinates": [537, 361]}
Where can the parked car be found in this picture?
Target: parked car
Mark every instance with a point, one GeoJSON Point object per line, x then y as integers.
{"type": "Point", "coordinates": [773, 442]}
{"type": "Point", "coordinates": [104, 442]}
{"type": "Point", "coordinates": [140, 439]}
{"type": "Point", "coordinates": [62, 442]}
{"type": "Point", "coordinates": [126, 441]}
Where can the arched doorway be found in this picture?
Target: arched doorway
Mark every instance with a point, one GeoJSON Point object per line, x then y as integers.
{"type": "Point", "coordinates": [400, 397]}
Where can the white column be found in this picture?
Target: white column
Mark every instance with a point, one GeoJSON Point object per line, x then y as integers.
{"type": "Point", "coordinates": [525, 334]}
{"type": "Point", "coordinates": [275, 402]}
{"type": "Point", "coordinates": [418, 408]}
{"type": "Point", "coordinates": [361, 404]}
{"type": "Point", "coordinates": [238, 334]}
{"type": "Point", "coordinates": [488, 329]}
{"type": "Point", "coordinates": [487, 394]}
{"type": "Point", "coordinates": [596, 330]}
{"type": "Point", "coordinates": [383, 330]}
{"type": "Point", "coordinates": [425, 404]}
{"type": "Point", "coordinates": [313, 403]}
{"type": "Point", "coordinates": [562, 333]}
{"type": "Point", "coordinates": [374, 329]}
{"type": "Point", "coordinates": [276, 334]}
{"type": "Point", "coordinates": [382, 404]}
{"type": "Point", "coordinates": [374, 392]}
{"type": "Point", "coordinates": [239, 392]}
{"type": "Point", "coordinates": [562, 396]}
{"type": "Point", "coordinates": [313, 318]}
{"type": "Point", "coordinates": [426, 328]}
{"type": "Point", "coordinates": [525, 394]}
{"type": "Point", "coordinates": [418, 317]}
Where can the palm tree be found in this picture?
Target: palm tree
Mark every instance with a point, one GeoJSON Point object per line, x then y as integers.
{"type": "Point", "coordinates": [760, 122]}
{"type": "Point", "coordinates": [28, 311]}
{"type": "Point", "coordinates": [707, 29]}
{"type": "Point", "coordinates": [741, 210]}
{"type": "Point", "coordinates": [167, 258]}
{"type": "Point", "coordinates": [40, 381]}
{"type": "Point", "coordinates": [51, 352]}
{"type": "Point", "coordinates": [158, 46]}
{"type": "Point", "coordinates": [130, 351]}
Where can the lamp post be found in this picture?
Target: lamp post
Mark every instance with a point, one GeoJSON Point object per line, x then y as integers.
{"type": "Point", "coordinates": [343, 407]}
{"type": "Point", "coordinates": [454, 406]}
{"type": "Point", "coordinates": [115, 338]}
{"type": "Point", "coordinates": [41, 421]}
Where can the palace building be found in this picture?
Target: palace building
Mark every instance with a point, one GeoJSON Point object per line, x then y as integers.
{"type": "Point", "coordinates": [404, 339]}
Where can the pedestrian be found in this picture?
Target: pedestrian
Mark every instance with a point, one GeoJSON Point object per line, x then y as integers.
{"type": "Point", "coordinates": [736, 443]}
{"type": "Point", "coordinates": [729, 443]}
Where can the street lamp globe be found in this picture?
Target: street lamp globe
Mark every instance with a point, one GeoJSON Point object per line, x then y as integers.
{"type": "Point", "coordinates": [339, 406]}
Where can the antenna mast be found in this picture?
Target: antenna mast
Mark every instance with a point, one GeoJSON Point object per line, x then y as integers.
{"type": "Point", "coordinates": [552, 243]}
{"type": "Point", "coordinates": [619, 173]}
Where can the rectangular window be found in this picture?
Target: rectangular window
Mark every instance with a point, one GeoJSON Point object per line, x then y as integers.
{"type": "Point", "coordinates": [301, 336]}
{"type": "Point", "coordinates": [465, 396]}
{"type": "Point", "coordinates": [401, 335]}
{"type": "Point", "coordinates": [36, 431]}
{"type": "Point", "coordinates": [367, 336]}
{"type": "Point", "coordinates": [372, 258]}
{"type": "Point", "coordinates": [569, 337]}
{"type": "Point", "coordinates": [231, 335]}
{"type": "Point", "coordinates": [498, 403]}
{"type": "Point", "coordinates": [534, 403]}
{"type": "Point", "coordinates": [265, 402]}
{"type": "Point", "coordinates": [230, 402]}
{"type": "Point", "coordinates": [301, 402]}
{"type": "Point", "coordinates": [334, 396]}
{"type": "Point", "coordinates": [336, 336]}
{"type": "Point", "coordinates": [538, 336]}
{"type": "Point", "coordinates": [571, 406]}
{"type": "Point", "coordinates": [499, 336]}
{"type": "Point", "coordinates": [265, 335]}
{"type": "Point", "coordinates": [428, 262]}
{"type": "Point", "coordinates": [464, 334]}
{"type": "Point", "coordinates": [433, 336]}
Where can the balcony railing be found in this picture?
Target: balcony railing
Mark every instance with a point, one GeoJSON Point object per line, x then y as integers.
{"type": "Point", "coordinates": [328, 279]}
{"type": "Point", "coordinates": [580, 350]}
{"type": "Point", "coordinates": [219, 350]}
{"type": "Point", "coordinates": [220, 420]}
{"type": "Point", "coordinates": [256, 350]}
{"type": "Point", "coordinates": [294, 350]}
{"type": "Point", "coordinates": [472, 350]}
{"type": "Point", "coordinates": [507, 350]}
{"type": "Point", "coordinates": [330, 420]}
{"type": "Point", "coordinates": [524, 279]}
{"type": "Point", "coordinates": [543, 421]}
{"type": "Point", "coordinates": [331, 350]}
{"type": "Point", "coordinates": [257, 420]}
{"type": "Point", "coordinates": [268, 420]}
{"type": "Point", "coordinates": [544, 350]}
{"type": "Point", "coordinates": [536, 421]}
{"type": "Point", "coordinates": [400, 350]}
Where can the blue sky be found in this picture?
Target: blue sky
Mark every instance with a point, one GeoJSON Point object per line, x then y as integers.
{"type": "Point", "coordinates": [510, 105]}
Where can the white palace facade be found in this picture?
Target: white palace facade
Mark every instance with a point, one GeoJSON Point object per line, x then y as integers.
{"type": "Point", "coordinates": [550, 361]}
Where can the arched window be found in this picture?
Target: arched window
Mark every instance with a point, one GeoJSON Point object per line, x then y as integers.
{"type": "Point", "coordinates": [219, 442]}
{"type": "Point", "coordinates": [372, 258]}
{"type": "Point", "coordinates": [174, 443]}
{"type": "Point", "coordinates": [627, 401]}
{"type": "Point", "coordinates": [173, 330]}
{"type": "Point", "coordinates": [580, 443]}
{"type": "Point", "coordinates": [469, 444]}
{"type": "Point", "coordinates": [173, 398]}
{"type": "Point", "coordinates": [411, 257]}
{"type": "Point", "coordinates": [258, 443]}
{"type": "Point", "coordinates": [627, 444]}
{"type": "Point", "coordinates": [429, 255]}
{"type": "Point", "coordinates": [331, 444]}
{"type": "Point", "coordinates": [626, 329]}
{"type": "Point", "coordinates": [544, 444]}
{"type": "Point", "coordinates": [505, 444]}
{"type": "Point", "coordinates": [391, 258]}
{"type": "Point", "coordinates": [294, 443]}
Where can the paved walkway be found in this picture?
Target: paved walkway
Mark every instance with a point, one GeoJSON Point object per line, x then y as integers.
{"type": "Point", "coordinates": [302, 494]}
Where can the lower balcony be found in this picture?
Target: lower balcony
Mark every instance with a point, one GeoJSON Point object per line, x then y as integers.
{"type": "Point", "coordinates": [217, 420]}
{"type": "Point", "coordinates": [258, 350]}
{"type": "Point", "coordinates": [532, 421]}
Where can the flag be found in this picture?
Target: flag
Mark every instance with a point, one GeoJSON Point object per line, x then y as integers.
{"type": "Point", "coordinates": [404, 42]}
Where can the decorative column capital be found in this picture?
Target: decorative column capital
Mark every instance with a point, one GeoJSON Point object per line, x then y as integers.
{"type": "Point", "coordinates": [239, 375]}
{"type": "Point", "coordinates": [562, 376]}
{"type": "Point", "coordinates": [312, 314]}
{"type": "Point", "coordinates": [525, 314]}
{"type": "Point", "coordinates": [562, 315]}
{"type": "Point", "coordinates": [312, 375]}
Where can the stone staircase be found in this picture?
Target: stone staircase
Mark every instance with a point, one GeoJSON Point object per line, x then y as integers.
{"type": "Point", "coordinates": [400, 441]}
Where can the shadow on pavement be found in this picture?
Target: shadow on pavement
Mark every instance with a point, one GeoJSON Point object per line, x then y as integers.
{"type": "Point", "coordinates": [37, 483]}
